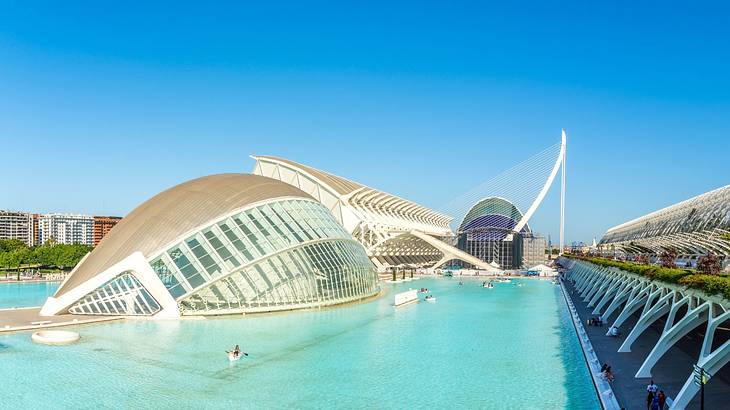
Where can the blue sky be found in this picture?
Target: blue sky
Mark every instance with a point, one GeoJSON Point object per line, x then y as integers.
{"type": "Point", "coordinates": [102, 106]}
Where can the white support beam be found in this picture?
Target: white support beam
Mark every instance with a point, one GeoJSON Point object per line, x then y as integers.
{"type": "Point", "coordinates": [648, 316]}
{"type": "Point", "coordinates": [710, 360]}
{"type": "Point", "coordinates": [635, 302]}
{"type": "Point", "coordinates": [673, 333]}
{"type": "Point", "coordinates": [621, 296]}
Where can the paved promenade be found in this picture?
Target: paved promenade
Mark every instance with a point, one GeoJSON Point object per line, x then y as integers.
{"type": "Point", "coordinates": [12, 320]}
{"type": "Point", "coordinates": [669, 374]}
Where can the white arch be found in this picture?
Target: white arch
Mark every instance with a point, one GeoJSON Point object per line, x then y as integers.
{"type": "Point", "coordinates": [559, 163]}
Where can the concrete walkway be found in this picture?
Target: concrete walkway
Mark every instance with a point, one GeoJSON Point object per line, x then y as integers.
{"type": "Point", "coordinates": [13, 320]}
{"type": "Point", "coordinates": [669, 374]}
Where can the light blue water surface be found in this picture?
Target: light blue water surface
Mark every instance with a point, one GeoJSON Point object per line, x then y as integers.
{"type": "Point", "coordinates": [25, 294]}
{"type": "Point", "coordinates": [507, 348]}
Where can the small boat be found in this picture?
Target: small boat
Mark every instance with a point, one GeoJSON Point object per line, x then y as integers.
{"type": "Point", "coordinates": [488, 285]}
{"type": "Point", "coordinates": [232, 357]}
{"type": "Point", "coordinates": [430, 298]}
{"type": "Point", "coordinates": [519, 284]}
{"type": "Point", "coordinates": [423, 290]}
{"type": "Point", "coordinates": [503, 280]}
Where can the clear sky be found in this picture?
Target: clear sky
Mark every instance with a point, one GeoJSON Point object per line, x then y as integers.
{"type": "Point", "coordinates": [102, 104]}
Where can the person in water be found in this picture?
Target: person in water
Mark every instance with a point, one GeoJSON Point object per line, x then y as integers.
{"type": "Point", "coordinates": [237, 352]}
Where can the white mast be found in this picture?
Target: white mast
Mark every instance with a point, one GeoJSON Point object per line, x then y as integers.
{"type": "Point", "coordinates": [562, 196]}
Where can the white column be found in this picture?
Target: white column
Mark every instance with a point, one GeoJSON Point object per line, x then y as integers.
{"type": "Point", "coordinates": [562, 194]}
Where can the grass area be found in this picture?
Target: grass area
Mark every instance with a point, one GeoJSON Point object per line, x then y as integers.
{"type": "Point", "coordinates": [710, 284]}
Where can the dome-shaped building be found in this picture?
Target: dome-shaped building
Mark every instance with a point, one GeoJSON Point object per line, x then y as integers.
{"type": "Point", "coordinates": [487, 232]}
{"type": "Point", "coordinates": [227, 243]}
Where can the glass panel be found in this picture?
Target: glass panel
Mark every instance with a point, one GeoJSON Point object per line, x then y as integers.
{"type": "Point", "coordinates": [221, 249]}
{"type": "Point", "coordinates": [236, 241]}
{"type": "Point", "coordinates": [202, 255]}
{"type": "Point", "coordinates": [123, 295]}
{"type": "Point", "coordinates": [189, 271]}
{"type": "Point", "coordinates": [167, 277]}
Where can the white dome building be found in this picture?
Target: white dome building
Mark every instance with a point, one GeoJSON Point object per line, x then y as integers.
{"type": "Point", "coordinates": [227, 243]}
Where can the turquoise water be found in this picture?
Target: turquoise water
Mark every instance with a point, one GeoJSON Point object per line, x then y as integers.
{"type": "Point", "coordinates": [507, 348]}
{"type": "Point", "coordinates": [25, 294]}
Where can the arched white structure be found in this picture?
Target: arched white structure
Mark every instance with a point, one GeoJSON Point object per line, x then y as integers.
{"type": "Point", "coordinates": [227, 243]}
{"type": "Point", "coordinates": [559, 164]}
{"type": "Point", "coordinates": [693, 227]}
{"type": "Point", "coordinates": [390, 228]}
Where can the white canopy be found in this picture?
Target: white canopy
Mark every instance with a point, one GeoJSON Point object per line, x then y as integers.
{"type": "Point", "coordinates": [541, 268]}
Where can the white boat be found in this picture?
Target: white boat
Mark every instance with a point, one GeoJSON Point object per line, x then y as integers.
{"type": "Point", "coordinates": [488, 285]}
{"type": "Point", "coordinates": [232, 357]}
{"type": "Point", "coordinates": [430, 298]}
{"type": "Point", "coordinates": [503, 280]}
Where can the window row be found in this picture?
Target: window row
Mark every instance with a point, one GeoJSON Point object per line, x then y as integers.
{"type": "Point", "coordinates": [319, 274]}
{"type": "Point", "coordinates": [123, 295]}
{"type": "Point", "coordinates": [242, 238]}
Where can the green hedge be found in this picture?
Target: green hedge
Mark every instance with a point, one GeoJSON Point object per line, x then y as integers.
{"type": "Point", "coordinates": [710, 284]}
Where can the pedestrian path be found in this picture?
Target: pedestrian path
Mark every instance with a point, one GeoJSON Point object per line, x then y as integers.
{"type": "Point", "coordinates": [669, 374]}
{"type": "Point", "coordinates": [602, 385]}
{"type": "Point", "coordinates": [12, 320]}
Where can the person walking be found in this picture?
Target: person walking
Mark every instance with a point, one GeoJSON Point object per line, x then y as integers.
{"type": "Point", "coordinates": [651, 390]}
{"type": "Point", "coordinates": [655, 403]}
{"type": "Point", "coordinates": [662, 399]}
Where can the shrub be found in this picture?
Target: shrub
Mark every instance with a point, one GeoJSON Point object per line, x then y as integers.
{"type": "Point", "coordinates": [710, 284]}
{"type": "Point", "coordinates": [667, 258]}
{"type": "Point", "coordinates": [709, 264]}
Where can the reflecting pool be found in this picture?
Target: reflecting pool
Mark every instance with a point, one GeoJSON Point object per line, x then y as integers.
{"type": "Point", "coordinates": [25, 294]}
{"type": "Point", "coordinates": [509, 347]}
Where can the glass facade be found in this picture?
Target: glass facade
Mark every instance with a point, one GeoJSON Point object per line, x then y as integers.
{"type": "Point", "coordinates": [280, 255]}
{"type": "Point", "coordinates": [123, 295]}
{"type": "Point", "coordinates": [692, 228]}
{"type": "Point", "coordinates": [317, 274]}
{"type": "Point", "coordinates": [485, 228]}
{"type": "Point", "coordinates": [286, 254]}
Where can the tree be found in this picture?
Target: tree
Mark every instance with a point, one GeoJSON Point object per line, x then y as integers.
{"type": "Point", "coordinates": [14, 253]}
{"type": "Point", "coordinates": [709, 264]}
{"type": "Point", "coordinates": [642, 259]}
{"type": "Point", "coordinates": [667, 258]}
{"type": "Point", "coordinates": [9, 245]}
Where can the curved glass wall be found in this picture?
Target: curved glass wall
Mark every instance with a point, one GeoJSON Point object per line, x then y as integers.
{"type": "Point", "coordinates": [285, 254]}
{"type": "Point", "coordinates": [705, 212]}
{"type": "Point", "coordinates": [318, 274]}
{"type": "Point", "coordinates": [694, 227]}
